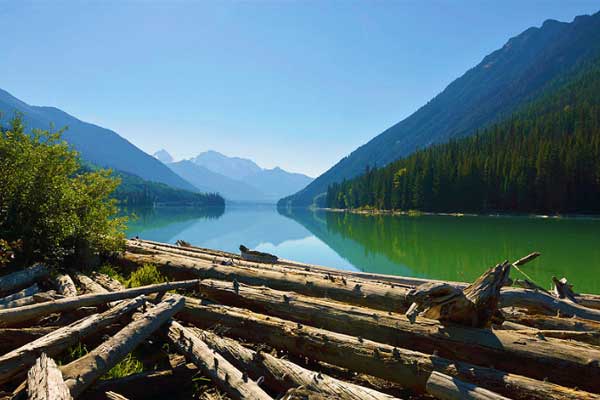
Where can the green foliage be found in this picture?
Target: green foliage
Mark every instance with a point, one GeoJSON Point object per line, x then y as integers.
{"type": "Point", "coordinates": [544, 159]}
{"type": "Point", "coordinates": [128, 366]}
{"type": "Point", "coordinates": [109, 270]}
{"type": "Point", "coordinates": [148, 274]}
{"type": "Point", "coordinates": [7, 250]}
{"type": "Point", "coordinates": [58, 212]}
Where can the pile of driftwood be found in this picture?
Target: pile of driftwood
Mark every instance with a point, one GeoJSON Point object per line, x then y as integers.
{"type": "Point", "coordinates": [296, 331]}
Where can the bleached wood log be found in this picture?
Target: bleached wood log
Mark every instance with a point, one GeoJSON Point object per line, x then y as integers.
{"type": "Point", "coordinates": [89, 285]}
{"type": "Point", "coordinates": [111, 284]}
{"type": "Point", "coordinates": [45, 382]}
{"type": "Point", "coordinates": [303, 393]}
{"type": "Point", "coordinates": [115, 396]}
{"type": "Point", "coordinates": [444, 387]}
{"type": "Point", "coordinates": [223, 374]}
{"type": "Point", "coordinates": [550, 322]}
{"type": "Point", "coordinates": [17, 315]}
{"type": "Point", "coordinates": [281, 375]}
{"type": "Point", "coordinates": [29, 291]}
{"type": "Point", "coordinates": [55, 342]}
{"type": "Point", "coordinates": [41, 297]}
{"type": "Point", "coordinates": [531, 356]}
{"type": "Point", "coordinates": [83, 372]}
{"type": "Point", "coordinates": [23, 278]}
{"type": "Point", "coordinates": [65, 285]}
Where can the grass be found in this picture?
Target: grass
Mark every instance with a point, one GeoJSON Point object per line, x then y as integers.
{"type": "Point", "coordinates": [127, 366]}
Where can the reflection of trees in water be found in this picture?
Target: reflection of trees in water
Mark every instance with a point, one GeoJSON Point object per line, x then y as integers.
{"type": "Point", "coordinates": [459, 248]}
{"type": "Point", "coordinates": [153, 218]}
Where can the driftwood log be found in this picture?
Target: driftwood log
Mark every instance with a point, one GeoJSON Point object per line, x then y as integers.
{"type": "Point", "coordinates": [89, 285]}
{"type": "Point", "coordinates": [45, 381]}
{"type": "Point", "coordinates": [29, 291]}
{"type": "Point", "coordinates": [445, 387]}
{"type": "Point", "coordinates": [549, 322]}
{"type": "Point", "coordinates": [282, 375]}
{"type": "Point", "coordinates": [473, 306]}
{"type": "Point", "coordinates": [65, 285]}
{"type": "Point", "coordinates": [41, 297]}
{"type": "Point", "coordinates": [55, 342]}
{"type": "Point", "coordinates": [23, 278]}
{"type": "Point", "coordinates": [409, 368]}
{"type": "Point", "coordinates": [83, 372]}
{"type": "Point", "coordinates": [13, 316]}
{"type": "Point", "coordinates": [223, 374]}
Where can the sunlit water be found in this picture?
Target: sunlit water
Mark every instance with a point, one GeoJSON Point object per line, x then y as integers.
{"type": "Point", "coordinates": [440, 247]}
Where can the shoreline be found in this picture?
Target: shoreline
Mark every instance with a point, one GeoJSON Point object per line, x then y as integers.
{"type": "Point", "coordinates": [417, 213]}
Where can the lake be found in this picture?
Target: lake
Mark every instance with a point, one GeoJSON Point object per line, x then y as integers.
{"type": "Point", "coordinates": [439, 247]}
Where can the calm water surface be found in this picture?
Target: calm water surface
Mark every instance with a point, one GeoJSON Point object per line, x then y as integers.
{"type": "Point", "coordinates": [440, 247]}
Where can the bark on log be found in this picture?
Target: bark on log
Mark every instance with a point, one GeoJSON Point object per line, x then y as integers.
{"type": "Point", "coordinates": [473, 306]}
{"type": "Point", "coordinates": [55, 342]}
{"type": "Point", "coordinates": [30, 291]}
{"type": "Point", "coordinates": [82, 372]}
{"type": "Point", "coordinates": [223, 374]}
{"type": "Point", "coordinates": [371, 294]}
{"type": "Point", "coordinates": [65, 285]}
{"type": "Point", "coordinates": [550, 322]}
{"type": "Point", "coordinates": [23, 278]}
{"type": "Point", "coordinates": [405, 367]}
{"type": "Point", "coordinates": [45, 382]}
{"type": "Point", "coordinates": [282, 375]}
{"type": "Point", "coordinates": [17, 315]}
{"type": "Point", "coordinates": [444, 387]}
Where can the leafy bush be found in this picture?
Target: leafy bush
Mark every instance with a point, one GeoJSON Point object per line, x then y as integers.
{"type": "Point", "coordinates": [146, 275]}
{"type": "Point", "coordinates": [59, 213]}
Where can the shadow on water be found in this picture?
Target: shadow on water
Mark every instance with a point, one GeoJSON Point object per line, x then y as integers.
{"type": "Point", "coordinates": [460, 248]}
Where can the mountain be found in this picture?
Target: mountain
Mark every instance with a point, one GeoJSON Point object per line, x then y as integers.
{"type": "Point", "coordinates": [273, 184]}
{"type": "Point", "coordinates": [232, 167]}
{"type": "Point", "coordinates": [498, 85]}
{"type": "Point", "coordinates": [543, 159]}
{"type": "Point", "coordinates": [208, 181]}
{"type": "Point", "coordinates": [163, 156]}
{"type": "Point", "coordinates": [97, 145]}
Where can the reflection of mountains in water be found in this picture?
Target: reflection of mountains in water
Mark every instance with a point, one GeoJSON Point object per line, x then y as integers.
{"type": "Point", "coordinates": [226, 231]}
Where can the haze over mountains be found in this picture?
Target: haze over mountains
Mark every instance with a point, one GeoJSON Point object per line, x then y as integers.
{"type": "Point", "coordinates": [236, 179]}
{"type": "Point", "coordinates": [498, 85]}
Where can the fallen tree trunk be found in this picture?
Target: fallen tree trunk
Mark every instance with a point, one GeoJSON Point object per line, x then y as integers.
{"type": "Point", "coordinates": [282, 375]}
{"type": "Point", "coordinates": [65, 285]}
{"type": "Point", "coordinates": [302, 393]}
{"type": "Point", "coordinates": [550, 322]}
{"type": "Point", "coordinates": [82, 372]}
{"type": "Point", "coordinates": [23, 278]}
{"type": "Point", "coordinates": [35, 298]}
{"type": "Point", "coordinates": [30, 291]}
{"type": "Point", "coordinates": [223, 374]}
{"type": "Point", "coordinates": [45, 382]}
{"type": "Point", "coordinates": [369, 294]}
{"type": "Point", "coordinates": [52, 344]}
{"type": "Point", "coordinates": [17, 315]}
{"type": "Point", "coordinates": [408, 368]}
{"type": "Point", "coordinates": [115, 396]}
{"type": "Point", "coordinates": [523, 353]}
{"type": "Point", "coordinates": [89, 285]}
{"type": "Point", "coordinates": [444, 387]}
{"type": "Point", "coordinates": [11, 338]}
{"type": "Point", "coordinates": [112, 285]}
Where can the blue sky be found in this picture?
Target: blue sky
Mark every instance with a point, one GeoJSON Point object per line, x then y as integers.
{"type": "Point", "coordinates": [296, 84]}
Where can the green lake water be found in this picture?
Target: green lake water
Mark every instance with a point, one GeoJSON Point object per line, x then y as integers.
{"type": "Point", "coordinates": [439, 247]}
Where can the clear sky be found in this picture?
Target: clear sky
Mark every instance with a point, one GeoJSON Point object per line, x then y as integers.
{"type": "Point", "coordinates": [296, 84]}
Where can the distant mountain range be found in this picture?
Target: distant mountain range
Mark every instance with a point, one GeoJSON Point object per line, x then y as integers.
{"type": "Point", "coordinates": [502, 82]}
{"type": "Point", "coordinates": [236, 179]}
{"type": "Point", "coordinates": [97, 145]}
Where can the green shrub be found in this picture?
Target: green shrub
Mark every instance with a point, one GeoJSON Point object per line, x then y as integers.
{"type": "Point", "coordinates": [109, 270]}
{"type": "Point", "coordinates": [146, 275]}
{"type": "Point", "coordinates": [57, 211]}
{"type": "Point", "coordinates": [127, 366]}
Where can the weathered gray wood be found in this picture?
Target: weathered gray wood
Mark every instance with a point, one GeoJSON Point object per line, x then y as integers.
{"type": "Point", "coordinates": [23, 278]}
{"type": "Point", "coordinates": [281, 375]}
{"type": "Point", "coordinates": [55, 342]}
{"type": "Point", "coordinates": [41, 297]}
{"type": "Point", "coordinates": [65, 285]}
{"type": "Point", "coordinates": [17, 315]}
{"type": "Point", "coordinates": [107, 282]}
{"type": "Point", "coordinates": [89, 285]}
{"type": "Point", "coordinates": [45, 382]}
{"type": "Point", "coordinates": [11, 338]}
{"type": "Point", "coordinates": [303, 393]}
{"type": "Point", "coordinates": [224, 375]}
{"type": "Point", "coordinates": [115, 396]}
{"type": "Point", "coordinates": [30, 291]}
{"type": "Point", "coordinates": [563, 289]}
{"type": "Point", "coordinates": [550, 322]}
{"type": "Point", "coordinates": [84, 371]}
{"type": "Point", "coordinates": [444, 387]}
{"type": "Point", "coordinates": [409, 368]}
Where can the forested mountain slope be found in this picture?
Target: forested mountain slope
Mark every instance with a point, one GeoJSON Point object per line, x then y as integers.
{"type": "Point", "coordinates": [545, 158]}
{"type": "Point", "coordinates": [502, 82]}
